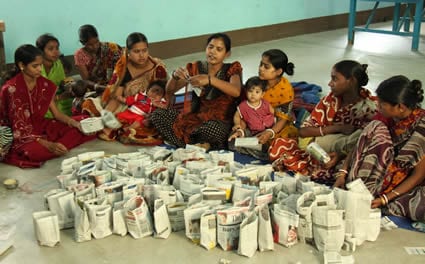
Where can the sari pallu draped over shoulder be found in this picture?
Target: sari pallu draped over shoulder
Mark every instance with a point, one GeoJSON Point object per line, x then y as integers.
{"type": "Point", "coordinates": [23, 111]}
{"type": "Point", "coordinates": [93, 106]}
{"type": "Point", "coordinates": [329, 111]}
{"type": "Point", "coordinates": [138, 83]}
{"type": "Point", "coordinates": [388, 151]}
{"type": "Point", "coordinates": [212, 104]}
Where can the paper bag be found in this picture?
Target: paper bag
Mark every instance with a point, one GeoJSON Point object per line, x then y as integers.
{"type": "Point", "coordinates": [161, 220]}
{"type": "Point", "coordinates": [209, 230]}
{"type": "Point", "coordinates": [82, 230]}
{"type": "Point", "coordinates": [138, 218]}
{"type": "Point", "coordinates": [265, 233]}
{"type": "Point", "coordinates": [285, 224]}
{"type": "Point", "coordinates": [46, 227]}
{"type": "Point", "coordinates": [248, 242]}
{"type": "Point", "coordinates": [328, 228]}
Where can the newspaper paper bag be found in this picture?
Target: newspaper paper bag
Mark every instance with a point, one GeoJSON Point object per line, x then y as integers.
{"type": "Point", "coordinates": [248, 242]}
{"type": "Point", "coordinates": [161, 220]}
{"type": "Point", "coordinates": [285, 224]}
{"type": "Point", "coordinates": [328, 228]}
{"type": "Point", "coordinates": [46, 227]}
{"type": "Point", "coordinates": [265, 233]}
{"type": "Point", "coordinates": [208, 230]}
{"type": "Point", "coordinates": [82, 230]}
{"type": "Point", "coordinates": [138, 218]}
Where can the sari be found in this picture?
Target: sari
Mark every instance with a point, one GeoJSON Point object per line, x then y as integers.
{"type": "Point", "coordinates": [100, 66]}
{"type": "Point", "coordinates": [23, 111]}
{"type": "Point", "coordinates": [132, 85]}
{"type": "Point", "coordinates": [209, 115]}
{"type": "Point", "coordinates": [386, 155]}
{"type": "Point", "coordinates": [57, 76]}
{"type": "Point", "coordinates": [287, 154]}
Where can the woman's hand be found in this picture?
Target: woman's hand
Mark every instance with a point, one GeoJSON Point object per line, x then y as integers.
{"type": "Point", "coordinates": [180, 74]}
{"type": "Point", "coordinates": [333, 162]}
{"type": "Point", "coordinates": [340, 182]}
{"type": "Point", "coordinates": [199, 80]}
{"type": "Point", "coordinates": [236, 134]}
{"type": "Point", "coordinates": [264, 137]}
{"type": "Point", "coordinates": [56, 148]}
{"type": "Point", "coordinates": [376, 203]}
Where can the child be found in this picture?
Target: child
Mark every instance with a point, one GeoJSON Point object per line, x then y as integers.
{"type": "Point", "coordinates": [141, 105]}
{"type": "Point", "coordinates": [78, 90]}
{"type": "Point", "coordinates": [254, 114]}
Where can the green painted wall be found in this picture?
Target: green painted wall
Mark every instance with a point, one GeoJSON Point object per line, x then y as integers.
{"type": "Point", "coordinates": [159, 19]}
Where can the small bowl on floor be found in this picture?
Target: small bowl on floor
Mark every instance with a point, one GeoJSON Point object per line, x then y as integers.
{"type": "Point", "coordinates": [10, 183]}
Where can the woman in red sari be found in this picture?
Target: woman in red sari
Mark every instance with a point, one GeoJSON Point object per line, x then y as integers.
{"type": "Point", "coordinates": [390, 154]}
{"type": "Point", "coordinates": [24, 100]}
{"type": "Point", "coordinates": [334, 124]}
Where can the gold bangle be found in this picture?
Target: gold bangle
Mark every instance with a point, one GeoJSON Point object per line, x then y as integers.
{"type": "Point", "coordinates": [384, 196]}
{"type": "Point", "coordinates": [382, 200]}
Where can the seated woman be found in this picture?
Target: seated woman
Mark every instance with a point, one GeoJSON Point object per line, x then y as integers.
{"type": "Point", "coordinates": [279, 94]}
{"type": "Point", "coordinates": [390, 154]}
{"type": "Point", "coordinates": [214, 87]}
{"type": "Point", "coordinates": [335, 123]}
{"type": "Point", "coordinates": [24, 100]}
{"type": "Point", "coordinates": [133, 73]}
{"type": "Point", "coordinates": [53, 69]}
{"type": "Point", "coordinates": [96, 60]}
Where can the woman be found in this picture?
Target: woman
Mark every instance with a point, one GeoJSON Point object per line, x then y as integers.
{"type": "Point", "coordinates": [25, 99]}
{"type": "Point", "coordinates": [206, 119]}
{"type": "Point", "coordinates": [53, 69]}
{"type": "Point", "coordinates": [390, 154]}
{"type": "Point", "coordinates": [133, 74]}
{"type": "Point", "coordinates": [280, 94]}
{"type": "Point", "coordinates": [335, 123]}
{"type": "Point", "coordinates": [96, 60]}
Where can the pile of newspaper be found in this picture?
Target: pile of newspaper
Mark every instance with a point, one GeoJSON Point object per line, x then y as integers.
{"type": "Point", "coordinates": [215, 200]}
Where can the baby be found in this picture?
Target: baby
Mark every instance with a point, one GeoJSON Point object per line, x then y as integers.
{"type": "Point", "coordinates": [254, 114]}
{"type": "Point", "coordinates": [141, 105]}
{"type": "Point", "coordinates": [78, 90]}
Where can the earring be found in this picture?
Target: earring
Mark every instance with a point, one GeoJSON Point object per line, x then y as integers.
{"type": "Point", "coordinates": [22, 69]}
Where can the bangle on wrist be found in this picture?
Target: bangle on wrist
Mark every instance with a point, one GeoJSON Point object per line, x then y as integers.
{"type": "Point", "coordinates": [321, 131]}
{"type": "Point", "coordinates": [173, 74]}
{"type": "Point", "coordinates": [384, 199]}
{"type": "Point", "coordinates": [241, 131]}
{"type": "Point", "coordinates": [343, 171]}
{"type": "Point", "coordinates": [272, 131]}
{"type": "Point", "coordinates": [397, 194]}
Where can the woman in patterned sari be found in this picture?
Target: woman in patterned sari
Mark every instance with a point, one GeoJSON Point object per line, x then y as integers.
{"type": "Point", "coordinates": [335, 124]}
{"type": "Point", "coordinates": [206, 119]}
{"type": "Point", "coordinates": [96, 60]}
{"type": "Point", "coordinates": [133, 73]}
{"type": "Point", "coordinates": [24, 101]}
{"type": "Point", "coordinates": [280, 94]}
{"type": "Point", "coordinates": [390, 153]}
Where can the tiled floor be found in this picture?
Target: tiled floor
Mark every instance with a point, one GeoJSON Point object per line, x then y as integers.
{"type": "Point", "coordinates": [313, 56]}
